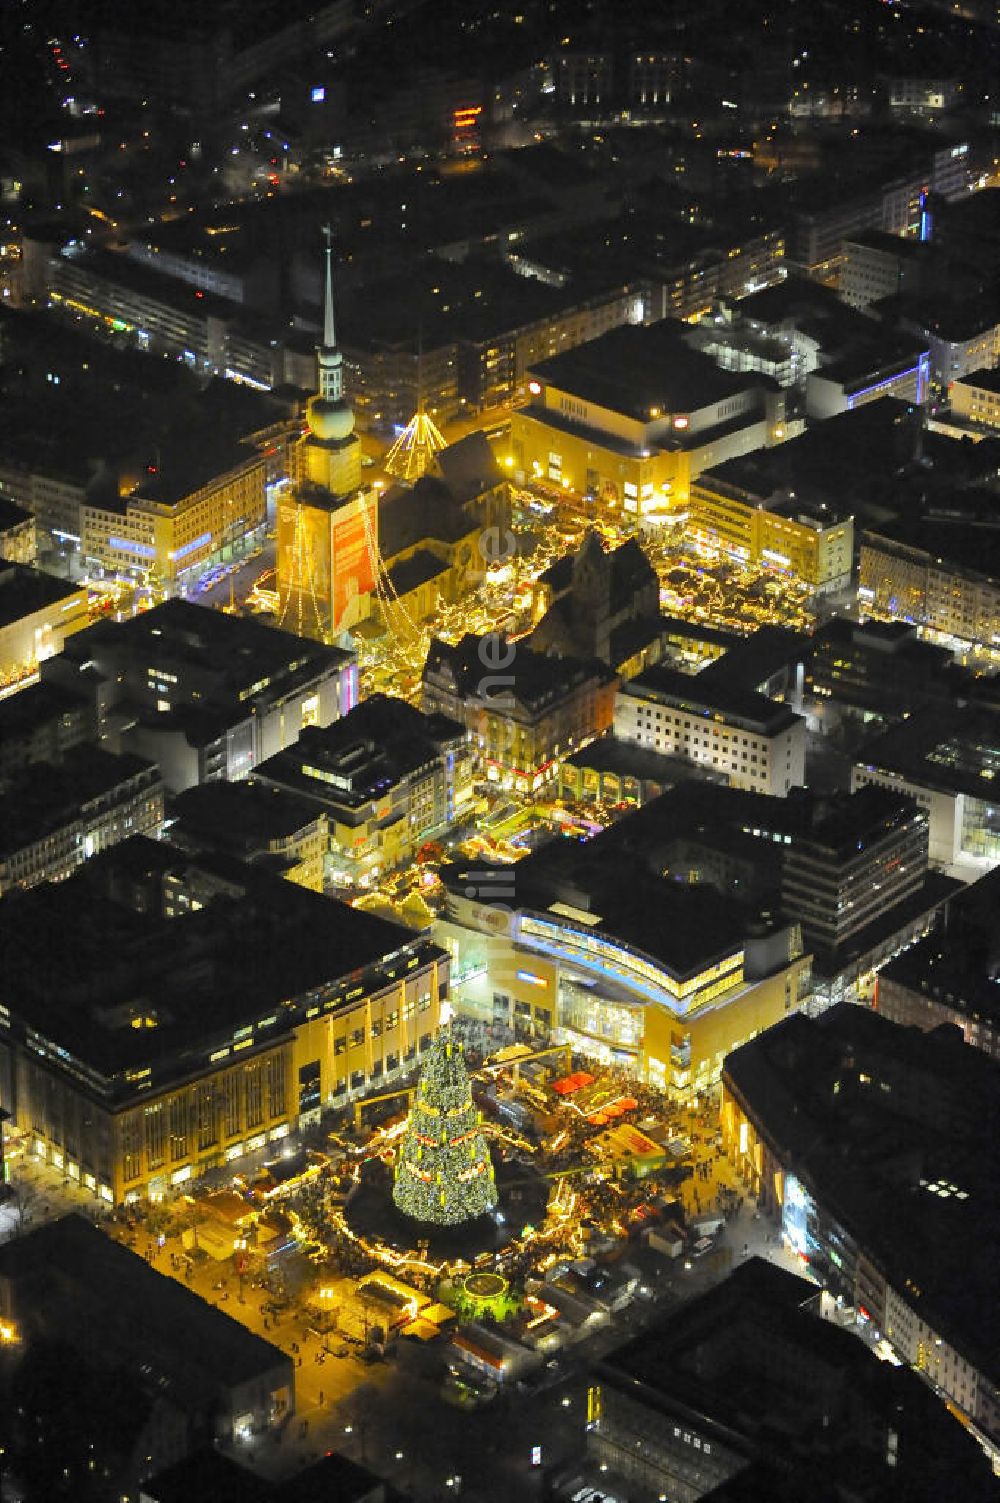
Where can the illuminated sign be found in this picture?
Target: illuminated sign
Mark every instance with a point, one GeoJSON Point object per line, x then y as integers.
{"type": "Point", "coordinates": [199, 542]}
{"type": "Point", "coordinates": [681, 422]}
{"type": "Point", "coordinates": [535, 387]}
{"type": "Point", "coordinates": [318, 95]}
{"type": "Point", "coordinates": [124, 545]}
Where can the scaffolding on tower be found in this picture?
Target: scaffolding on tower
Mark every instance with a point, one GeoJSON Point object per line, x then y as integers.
{"type": "Point", "coordinates": [301, 585]}
{"type": "Point", "coordinates": [414, 450]}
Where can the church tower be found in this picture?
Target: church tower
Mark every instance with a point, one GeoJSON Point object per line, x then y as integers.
{"type": "Point", "coordinates": [331, 450]}
{"type": "Point", "coordinates": [327, 541]}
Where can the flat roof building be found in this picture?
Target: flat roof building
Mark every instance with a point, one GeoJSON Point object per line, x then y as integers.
{"type": "Point", "coordinates": [386, 777]}
{"type": "Point", "coordinates": [773, 529]}
{"type": "Point", "coordinates": [204, 694]}
{"type": "Point", "coordinates": [975, 398]}
{"type": "Point", "coordinates": [195, 1008]}
{"type": "Point", "coordinates": [757, 742]}
{"type": "Point", "coordinates": [109, 1304]}
{"type": "Point", "coordinates": [746, 1392]}
{"type": "Point", "coordinates": [18, 544]}
{"type": "Point", "coordinates": [54, 816]}
{"type": "Point", "coordinates": [951, 975]}
{"type": "Point", "coordinates": [262, 825]}
{"type": "Point", "coordinates": [37, 615]}
{"type": "Point", "coordinates": [944, 757]}
{"type": "Point", "coordinates": [41, 723]}
{"type": "Point", "coordinates": [212, 1477]}
{"type": "Point", "coordinates": [632, 418]}
{"type": "Point", "coordinates": [865, 1139]}
{"type": "Point", "coordinates": [589, 942]}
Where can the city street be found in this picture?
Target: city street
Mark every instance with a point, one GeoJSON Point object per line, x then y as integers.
{"type": "Point", "coordinates": [390, 1413]}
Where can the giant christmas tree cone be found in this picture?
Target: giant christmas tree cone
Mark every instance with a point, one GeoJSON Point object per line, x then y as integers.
{"type": "Point", "coordinates": [443, 1172]}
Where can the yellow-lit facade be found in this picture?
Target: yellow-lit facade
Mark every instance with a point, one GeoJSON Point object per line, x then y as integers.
{"type": "Point", "coordinates": [628, 462]}
{"type": "Point", "coordinates": [305, 851]}
{"type": "Point", "coordinates": [976, 399]}
{"type": "Point", "coordinates": [18, 542]}
{"type": "Point", "coordinates": [40, 633]}
{"type": "Point", "coordinates": [800, 546]}
{"type": "Point", "coordinates": [327, 536]}
{"type": "Point", "coordinates": [898, 581]}
{"type": "Point", "coordinates": [755, 1160]}
{"type": "Point", "coordinates": [159, 541]}
{"type": "Point", "coordinates": [246, 1094]}
{"type": "Point", "coordinates": [618, 471]}
{"type": "Point", "coordinates": [557, 973]}
{"type": "Point", "coordinates": [324, 560]}
{"type": "Point", "coordinates": [387, 832]}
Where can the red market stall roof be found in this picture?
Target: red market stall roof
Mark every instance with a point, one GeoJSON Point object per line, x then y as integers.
{"type": "Point", "coordinates": [567, 1084]}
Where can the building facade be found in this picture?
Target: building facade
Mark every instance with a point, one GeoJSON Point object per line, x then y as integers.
{"type": "Point", "coordinates": [524, 711]}
{"type": "Point", "coordinates": [975, 398]}
{"type": "Point", "coordinates": [327, 535]}
{"type": "Point", "coordinates": [18, 542]}
{"type": "Point", "coordinates": [902, 580]}
{"type": "Point", "coordinates": [204, 694]}
{"type": "Point", "coordinates": [802, 542]}
{"type": "Point", "coordinates": [55, 817]}
{"type": "Point", "coordinates": [631, 419]}
{"type": "Point", "coordinates": [38, 613]}
{"type": "Point", "coordinates": [176, 1073]}
{"type": "Point", "coordinates": [757, 743]}
{"type": "Point", "coordinates": [857, 1135]}
{"type": "Point", "coordinates": [162, 537]}
{"type": "Point", "coordinates": [386, 778]}
{"type": "Point", "coordinates": [648, 1003]}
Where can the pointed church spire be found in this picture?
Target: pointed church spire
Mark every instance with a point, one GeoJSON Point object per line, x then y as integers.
{"type": "Point", "coordinates": [329, 361]}
{"type": "Point", "coordinates": [329, 337]}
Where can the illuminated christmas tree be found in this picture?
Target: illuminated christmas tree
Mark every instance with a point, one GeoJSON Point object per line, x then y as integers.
{"type": "Point", "coordinates": [443, 1172]}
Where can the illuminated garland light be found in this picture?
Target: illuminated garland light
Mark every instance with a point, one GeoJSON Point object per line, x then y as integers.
{"type": "Point", "coordinates": [444, 1174]}
{"type": "Point", "coordinates": [414, 450]}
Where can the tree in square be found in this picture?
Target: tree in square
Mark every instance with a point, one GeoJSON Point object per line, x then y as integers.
{"type": "Point", "coordinates": [444, 1173]}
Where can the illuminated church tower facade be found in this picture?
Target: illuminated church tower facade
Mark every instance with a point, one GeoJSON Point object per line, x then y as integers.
{"type": "Point", "coordinates": [327, 539]}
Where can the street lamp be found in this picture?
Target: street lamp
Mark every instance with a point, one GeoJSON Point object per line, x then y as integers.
{"type": "Point", "coordinates": [4, 1117]}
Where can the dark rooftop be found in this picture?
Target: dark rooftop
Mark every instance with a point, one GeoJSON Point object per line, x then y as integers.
{"type": "Point", "coordinates": [237, 651]}
{"type": "Point", "coordinates": [360, 757]}
{"type": "Point", "coordinates": [212, 1477]}
{"type": "Point", "coordinates": [409, 515]}
{"type": "Point", "coordinates": [45, 797]}
{"type": "Point", "coordinates": [986, 377]}
{"type": "Point", "coordinates": [420, 568]}
{"type": "Point", "coordinates": [626, 759]}
{"type": "Point", "coordinates": [684, 927]}
{"type": "Point", "coordinates": [539, 681]}
{"type": "Point", "coordinates": [958, 964]}
{"type": "Point", "coordinates": [24, 590]}
{"type": "Point", "coordinates": [701, 692]}
{"type": "Point", "coordinates": [12, 515]}
{"type": "Point", "coordinates": [108, 1296]}
{"type": "Point", "coordinates": [941, 747]}
{"type": "Point", "coordinates": [639, 370]}
{"type": "Point", "coordinates": [240, 816]}
{"type": "Point", "coordinates": [27, 711]}
{"type": "Point", "coordinates": [715, 1366]}
{"type": "Point", "coordinates": [87, 956]}
{"type": "Point", "coordinates": [870, 1155]}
